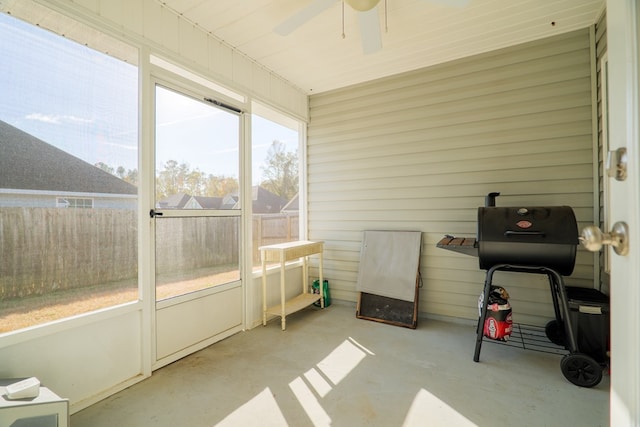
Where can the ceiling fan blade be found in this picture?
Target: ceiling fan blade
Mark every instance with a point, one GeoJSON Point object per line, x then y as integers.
{"type": "Point", "coordinates": [301, 17]}
{"type": "Point", "coordinates": [370, 31]}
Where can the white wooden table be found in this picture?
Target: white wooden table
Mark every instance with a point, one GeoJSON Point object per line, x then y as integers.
{"type": "Point", "coordinates": [282, 253]}
{"type": "Point", "coordinates": [47, 404]}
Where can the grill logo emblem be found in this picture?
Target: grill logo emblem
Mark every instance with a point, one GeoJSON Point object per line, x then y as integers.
{"type": "Point", "coordinates": [524, 224]}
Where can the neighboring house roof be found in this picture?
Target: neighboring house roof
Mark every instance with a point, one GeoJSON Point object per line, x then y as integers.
{"type": "Point", "coordinates": [293, 205]}
{"type": "Point", "coordinates": [265, 201]}
{"type": "Point", "coordinates": [230, 201]}
{"type": "Point", "coordinates": [202, 202]}
{"type": "Point", "coordinates": [28, 163]}
{"type": "Point", "coordinates": [175, 201]}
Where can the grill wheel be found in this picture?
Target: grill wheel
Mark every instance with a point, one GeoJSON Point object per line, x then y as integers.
{"type": "Point", "coordinates": [581, 370]}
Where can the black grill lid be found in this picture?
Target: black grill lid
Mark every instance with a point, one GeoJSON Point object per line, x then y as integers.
{"type": "Point", "coordinates": [548, 225]}
{"type": "Point", "coordinates": [544, 236]}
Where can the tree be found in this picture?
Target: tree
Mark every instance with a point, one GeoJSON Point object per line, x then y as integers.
{"type": "Point", "coordinates": [281, 171]}
{"type": "Point", "coordinates": [105, 167]}
{"type": "Point", "coordinates": [127, 175]}
{"type": "Point", "coordinates": [130, 176]}
{"type": "Point", "coordinates": [220, 185]}
{"type": "Point", "coordinates": [179, 178]}
{"type": "Point", "coordinates": [171, 180]}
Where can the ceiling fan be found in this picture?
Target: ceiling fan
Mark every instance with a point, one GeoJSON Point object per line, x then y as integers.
{"type": "Point", "coordinates": [367, 15]}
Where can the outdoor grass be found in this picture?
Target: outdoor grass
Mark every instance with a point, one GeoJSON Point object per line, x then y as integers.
{"type": "Point", "coordinates": [39, 309]}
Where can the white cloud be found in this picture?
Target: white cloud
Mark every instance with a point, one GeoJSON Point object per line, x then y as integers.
{"type": "Point", "coordinates": [56, 118]}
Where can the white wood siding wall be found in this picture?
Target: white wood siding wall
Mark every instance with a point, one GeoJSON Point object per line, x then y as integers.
{"type": "Point", "coordinates": [419, 151]}
{"type": "Point", "coordinates": [150, 23]}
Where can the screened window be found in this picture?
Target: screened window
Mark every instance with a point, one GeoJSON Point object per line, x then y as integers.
{"type": "Point", "coordinates": [68, 125]}
{"type": "Point", "coordinates": [276, 179]}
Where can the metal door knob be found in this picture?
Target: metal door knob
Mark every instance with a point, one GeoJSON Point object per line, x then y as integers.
{"type": "Point", "coordinates": [593, 239]}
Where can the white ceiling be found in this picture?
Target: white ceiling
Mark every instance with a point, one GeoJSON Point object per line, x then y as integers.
{"type": "Point", "coordinates": [420, 33]}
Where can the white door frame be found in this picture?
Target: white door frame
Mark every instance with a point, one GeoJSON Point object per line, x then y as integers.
{"type": "Point", "coordinates": [207, 315]}
{"type": "Point", "coordinates": [624, 98]}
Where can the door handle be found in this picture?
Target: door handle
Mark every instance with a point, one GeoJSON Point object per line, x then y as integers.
{"type": "Point", "coordinates": [153, 213]}
{"type": "Point", "coordinates": [593, 239]}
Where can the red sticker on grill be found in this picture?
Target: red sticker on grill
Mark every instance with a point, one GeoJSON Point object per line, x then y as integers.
{"type": "Point", "coordinates": [524, 224]}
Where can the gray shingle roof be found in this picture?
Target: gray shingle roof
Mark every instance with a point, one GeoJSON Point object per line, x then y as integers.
{"type": "Point", "coordinates": [209, 202]}
{"type": "Point", "coordinates": [293, 205]}
{"type": "Point", "coordinates": [28, 163]}
{"type": "Point", "coordinates": [175, 201]}
{"type": "Point", "coordinates": [263, 201]}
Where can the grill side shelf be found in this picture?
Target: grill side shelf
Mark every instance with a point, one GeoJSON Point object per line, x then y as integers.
{"type": "Point", "coordinates": [463, 245]}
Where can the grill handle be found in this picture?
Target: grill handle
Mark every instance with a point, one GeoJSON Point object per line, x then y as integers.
{"type": "Point", "coordinates": [510, 233]}
{"type": "Point", "coordinates": [490, 200]}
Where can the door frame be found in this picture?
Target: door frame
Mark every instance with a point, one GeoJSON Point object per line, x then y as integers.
{"type": "Point", "coordinates": [623, 22]}
{"type": "Point", "coordinates": [151, 76]}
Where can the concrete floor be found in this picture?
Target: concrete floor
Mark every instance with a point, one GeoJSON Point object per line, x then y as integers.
{"type": "Point", "coordinates": [330, 368]}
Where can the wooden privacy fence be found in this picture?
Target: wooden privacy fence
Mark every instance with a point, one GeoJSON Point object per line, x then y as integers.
{"type": "Point", "coordinates": [43, 250]}
{"type": "Point", "coordinates": [192, 243]}
{"type": "Point", "coordinates": [269, 229]}
{"type": "Point", "coordinates": [49, 249]}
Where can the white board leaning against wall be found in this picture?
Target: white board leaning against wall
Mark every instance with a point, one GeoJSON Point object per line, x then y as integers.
{"type": "Point", "coordinates": [389, 262]}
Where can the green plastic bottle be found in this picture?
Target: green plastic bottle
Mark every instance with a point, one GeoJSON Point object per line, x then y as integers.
{"type": "Point", "coordinates": [325, 292]}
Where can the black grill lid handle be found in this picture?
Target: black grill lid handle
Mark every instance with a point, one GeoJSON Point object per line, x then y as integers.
{"type": "Point", "coordinates": [490, 200]}
{"type": "Point", "coordinates": [524, 233]}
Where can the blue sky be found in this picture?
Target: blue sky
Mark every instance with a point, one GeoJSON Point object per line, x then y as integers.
{"type": "Point", "coordinates": [85, 103]}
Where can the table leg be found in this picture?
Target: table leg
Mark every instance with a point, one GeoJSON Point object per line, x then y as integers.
{"type": "Point", "coordinates": [321, 280]}
{"type": "Point", "coordinates": [264, 290]}
{"type": "Point", "coordinates": [282, 290]}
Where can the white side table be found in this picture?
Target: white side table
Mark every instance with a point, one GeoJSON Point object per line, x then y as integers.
{"type": "Point", "coordinates": [284, 252]}
{"type": "Point", "coordinates": [47, 405]}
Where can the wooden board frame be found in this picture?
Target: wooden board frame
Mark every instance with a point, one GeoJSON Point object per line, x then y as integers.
{"type": "Point", "coordinates": [389, 310]}
{"type": "Point", "coordinates": [392, 308]}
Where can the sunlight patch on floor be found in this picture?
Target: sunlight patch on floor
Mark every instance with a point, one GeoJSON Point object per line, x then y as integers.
{"type": "Point", "coordinates": [308, 389]}
{"type": "Point", "coordinates": [309, 403]}
{"type": "Point", "coordinates": [317, 381]}
{"type": "Point", "coordinates": [337, 365]}
{"type": "Point", "coordinates": [427, 410]}
{"type": "Point", "coordinates": [261, 410]}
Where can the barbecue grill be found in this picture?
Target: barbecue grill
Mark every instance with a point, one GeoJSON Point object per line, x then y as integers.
{"type": "Point", "coordinates": [536, 240]}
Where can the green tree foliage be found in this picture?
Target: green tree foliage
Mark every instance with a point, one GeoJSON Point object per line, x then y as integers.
{"type": "Point", "coordinates": [179, 178]}
{"type": "Point", "coordinates": [281, 171]}
{"type": "Point", "coordinates": [130, 175]}
{"type": "Point", "coordinates": [105, 167]}
{"type": "Point", "coordinates": [218, 186]}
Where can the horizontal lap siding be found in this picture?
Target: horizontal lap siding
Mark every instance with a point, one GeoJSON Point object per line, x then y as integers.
{"type": "Point", "coordinates": [419, 151]}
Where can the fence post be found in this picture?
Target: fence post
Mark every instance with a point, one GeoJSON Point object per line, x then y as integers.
{"type": "Point", "coordinates": [257, 237]}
